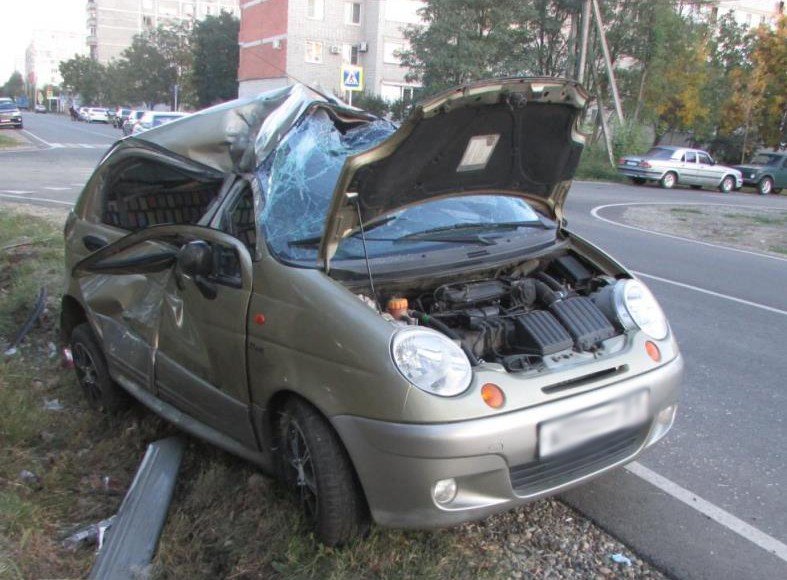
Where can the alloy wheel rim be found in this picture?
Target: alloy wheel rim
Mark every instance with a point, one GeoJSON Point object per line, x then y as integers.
{"type": "Point", "coordinates": [301, 468]}
{"type": "Point", "coordinates": [669, 180]}
{"type": "Point", "coordinates": [766, 186]}
{"type": "Point", "coordinates": [86, 372]}
{"type": "Point", "coordinates": [727, 185]}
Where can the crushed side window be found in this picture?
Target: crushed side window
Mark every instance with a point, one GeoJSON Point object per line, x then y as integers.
{"type": "Point", "coordinates": [143, 192]}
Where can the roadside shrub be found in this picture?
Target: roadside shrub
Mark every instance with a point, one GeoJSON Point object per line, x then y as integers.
{"type": "Point", "coordinates": [372, 103]}
{"type": "Point", "coordinates": [594, 165]}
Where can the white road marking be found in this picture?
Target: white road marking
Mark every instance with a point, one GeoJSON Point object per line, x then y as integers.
{"type": "Point", "coordinates": [717, 514]}
{"type": "Point", "coordinates": [57, 188]}
{"type": "Point", "coordinates": [36, 137]}
{"type": "Point", "coordinates": [595, 210]}
{"type": "Point", "coordinates": [34, 199]}
{"type": "Point", "coordinates": [15, 191]}
{"type": "Point", "coordinates": [712, 293]}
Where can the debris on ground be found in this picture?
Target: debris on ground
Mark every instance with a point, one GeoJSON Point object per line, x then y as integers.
{"type": "Point", "coordinates": [29, 478]}
{"type": "Point", "coordinates": [53, 405]}
{"type": "Point", "coordinates": [91, 534]}
{"type": "Point", "coordinates": [35, 314]}
{"type": "Point", "coordinates": [620, 559]}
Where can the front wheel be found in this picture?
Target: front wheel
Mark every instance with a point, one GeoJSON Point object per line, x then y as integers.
{"type": "Point", "coordinates": [93, 374]}
{"type": "Point", "coordinates": [765, 186]}
{"type": "Point", "coordinates": [727, 184]}
{"type": "Point", "coordinates": [315, 466]}
{"type": "Point", "coordinates": [668, 180]}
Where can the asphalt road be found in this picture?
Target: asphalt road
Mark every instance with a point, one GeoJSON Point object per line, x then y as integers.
{"type": "Point", "coordinates": [709, 501]}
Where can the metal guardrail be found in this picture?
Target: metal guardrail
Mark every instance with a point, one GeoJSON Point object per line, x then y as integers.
{"type": "Point", "coordinates": [132, 539]}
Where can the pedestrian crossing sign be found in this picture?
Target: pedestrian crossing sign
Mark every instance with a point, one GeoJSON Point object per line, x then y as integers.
{"type": "Point", "coordinates": [352, 78]}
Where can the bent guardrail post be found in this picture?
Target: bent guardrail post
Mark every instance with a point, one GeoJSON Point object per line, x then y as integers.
{"type": "Point", "coordinates": [132, 540]}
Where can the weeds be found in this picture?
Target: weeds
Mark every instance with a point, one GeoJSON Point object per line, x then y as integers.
{"type": "Point", "coordinates": [682, 210]}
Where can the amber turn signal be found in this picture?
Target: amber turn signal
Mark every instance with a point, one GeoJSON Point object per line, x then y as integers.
{"type": "Point", "coordinates": [653, 351]}
{"type": "Point", "coordinates": [493, 395]}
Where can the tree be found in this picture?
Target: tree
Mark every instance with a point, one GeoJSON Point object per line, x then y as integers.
{"type": "Point", "coordinates": [144, 75]}
{"type": "Point", "coordinates": [15, 85]}
{"type": "Point", "coordinates": [85, 76]}
{"type": "Point", "coordinates": [215, 56]}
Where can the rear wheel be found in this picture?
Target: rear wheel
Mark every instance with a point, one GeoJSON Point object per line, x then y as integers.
{"type": "Point", "coordinates": [93, 374]}
{"type": "Point", "coordinates": [315, 466]}
{"type": "Point", "coordinates": [668, 180]}
{"type": "Point", "coordinates": [727, 184]}
{"type": "Point", "coordinates": [765, 186]}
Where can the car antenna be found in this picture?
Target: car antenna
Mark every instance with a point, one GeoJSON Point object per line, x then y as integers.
{"type": "Point", "coordinates": [353, 197]}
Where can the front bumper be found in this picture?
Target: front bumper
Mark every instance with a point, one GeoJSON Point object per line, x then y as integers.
{"type": "Point", "coordinates": [10, 121]}
{"type": "Point", "coordinates": [493, 460]}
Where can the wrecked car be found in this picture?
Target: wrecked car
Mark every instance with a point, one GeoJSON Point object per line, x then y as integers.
{"type": "Point", "coordinates": [395, 321]}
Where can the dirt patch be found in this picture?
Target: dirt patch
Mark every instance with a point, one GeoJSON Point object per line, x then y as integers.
{"type": "Point", "coordinates": [749, 229]}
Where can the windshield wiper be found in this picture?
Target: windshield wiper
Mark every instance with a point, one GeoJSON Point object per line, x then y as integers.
{"type": "Point", "coordinates": [316, 239]}
{"type": "Point", "coordinates": [451, 231]}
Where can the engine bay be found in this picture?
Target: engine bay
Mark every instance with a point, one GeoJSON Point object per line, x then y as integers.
{"type": "Point", "coordinates": [521, 317]}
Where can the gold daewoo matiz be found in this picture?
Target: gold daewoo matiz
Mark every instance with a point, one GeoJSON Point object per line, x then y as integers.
{"type": "Point", "coordinates": [395, 321]}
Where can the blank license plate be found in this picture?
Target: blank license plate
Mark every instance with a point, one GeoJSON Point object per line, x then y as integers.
{"type": "Point", "coordinates": [571, 431]}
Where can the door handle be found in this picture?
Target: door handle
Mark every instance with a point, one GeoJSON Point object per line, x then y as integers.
{"type": "Point", "coordinates": [94, 243]}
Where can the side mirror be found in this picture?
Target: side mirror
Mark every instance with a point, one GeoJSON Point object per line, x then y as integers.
{"type": "Point", "coordinates": [196, 259]}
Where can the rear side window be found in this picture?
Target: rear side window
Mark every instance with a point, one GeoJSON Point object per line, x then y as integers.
{"type": "Point", "coordinates": [690, 157]}
{"type": "Point", "coordinates": [704, 158]}
{"type": "Point", "coordinates": [659, 153]}
{"type": "Point", "coordinates": [141, 192]}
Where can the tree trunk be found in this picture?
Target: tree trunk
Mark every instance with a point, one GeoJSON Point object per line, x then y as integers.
{"type": "Point", "coordinates": [641, 94]}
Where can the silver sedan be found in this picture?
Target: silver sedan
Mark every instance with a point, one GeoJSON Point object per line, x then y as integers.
{"type": "Point", "coordinates": [670, 166]}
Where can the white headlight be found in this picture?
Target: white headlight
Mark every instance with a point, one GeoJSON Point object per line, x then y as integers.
{"type": "Point", "coordinates": [636, 307]}
{"type": "Point", "coordinates": [431, 361]}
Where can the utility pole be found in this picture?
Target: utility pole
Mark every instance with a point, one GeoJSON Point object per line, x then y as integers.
{"type": "Point", "coordinates": [607, 60]}
{"type": "Point", "coordinates": [583, 46]}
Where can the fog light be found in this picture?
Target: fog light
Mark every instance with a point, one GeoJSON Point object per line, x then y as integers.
{"type": "Point", "coordinates": [663, 423]}
{"type": "Point", "coordinates": [444, 491]}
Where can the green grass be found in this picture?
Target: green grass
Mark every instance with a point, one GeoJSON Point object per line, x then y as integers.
{"type": "Point", "coordinates": [778, 249]}
{"type": "Point", "coordinates": [594, 165]}
{"type": "Point", "coordinates": [777, 219]}
{"type": "Point", "coordinates": [683, 210]}
{"type": "Point", "coordinates": [9, 141]}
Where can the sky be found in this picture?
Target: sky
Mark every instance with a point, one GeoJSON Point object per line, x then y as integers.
{"type": "Point", "coordinates": [28, 15]}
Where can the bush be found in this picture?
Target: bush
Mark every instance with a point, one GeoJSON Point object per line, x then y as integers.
{"type": "Point", "coordinates": [594, 165]}
{"type": "Point", "coordinates": [372, 103]}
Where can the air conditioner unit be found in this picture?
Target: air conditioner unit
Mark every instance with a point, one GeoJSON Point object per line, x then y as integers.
{"type": "Point", "coordinates": [335, 49]}
{"type": "Point", "coordinates": [276, 44]}
{"type": "Point", "coordinates": [363, 46]}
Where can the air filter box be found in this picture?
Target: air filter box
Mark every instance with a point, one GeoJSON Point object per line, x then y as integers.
{"type": "Point", "coordinates": [583, 320]}
{"type": "Point", "coordinates": [538, 332]}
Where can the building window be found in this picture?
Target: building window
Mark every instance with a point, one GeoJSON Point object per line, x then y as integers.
{"type": "Point", "coordinates": [391, 52]}
{"type": "Point", "coordinates": [147, 21]}
{"type": "Point", "coordinates": [392, 92]}
{"type": "Point", "coordinates": [315, 9]}
{"type": "Point", "coordinates": [313, 52]}
{"type": "Point", "coordinates": [349, 54]}
{"type": "Point", "coordinates": [352, 13]}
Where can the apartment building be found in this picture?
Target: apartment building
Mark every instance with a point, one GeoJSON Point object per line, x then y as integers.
{"type": "Point", "coordinates": [750, 13]}
{"type": "Point", "coordinates": [284, 41]}
{"type": "Point", "coordinates": [44, 53]}
{"type": "Point", "coordinates": [112, 24]}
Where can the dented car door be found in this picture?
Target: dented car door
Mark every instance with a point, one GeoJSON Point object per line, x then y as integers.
{"type": "Point", "coordinates": [173, 329]}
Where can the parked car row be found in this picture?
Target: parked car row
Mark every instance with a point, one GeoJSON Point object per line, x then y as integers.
{"type": "Point", "coordinates": [672, 166]}
{"type": "Point", "coordinates": [136, 121]}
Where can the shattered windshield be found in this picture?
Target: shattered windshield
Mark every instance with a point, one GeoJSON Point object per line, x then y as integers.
{"type": "Point", "coordinates": [299, 176]}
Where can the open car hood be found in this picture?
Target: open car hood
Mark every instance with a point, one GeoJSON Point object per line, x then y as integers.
{"type": "Point", "coordinates": [514, 136]}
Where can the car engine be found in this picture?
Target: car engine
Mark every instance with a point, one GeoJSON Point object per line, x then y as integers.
{"type": "Point", "coordinates": [517, 318]}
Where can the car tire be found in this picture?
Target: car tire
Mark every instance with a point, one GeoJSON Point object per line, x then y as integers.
{"type": "Point", "coordinates": [92, 372]}
{"type": "Point", "coordinates": [668, 180]}
{"type": "Point", "coordinates": [696, 187]}
{"type": "Point", "coordinates": [638, 180]}
{"type": "Point", "coordinates": [727, 184]}
{"type": "Point", "coordinates": [765, 186]}
{"type": "Point", "coordinates": [309, 449]}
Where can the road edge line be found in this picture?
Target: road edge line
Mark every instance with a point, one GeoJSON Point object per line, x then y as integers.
{"type": "Point", "coordinates": [713, 293]}
{"type": "Point", "coordinates": [717, 514]}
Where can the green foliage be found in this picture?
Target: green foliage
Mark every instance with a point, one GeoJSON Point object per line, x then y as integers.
{"type": "Point", "coordinates": [372, 103]}
{"type": "Point", "coordinates": [14, 87]}
{"type": "Point", "coordinates": [85, 76]}
{"type": "Point", "coordinates": [215, 55]}
{"type": "Point", "coordinates": [594, 165]}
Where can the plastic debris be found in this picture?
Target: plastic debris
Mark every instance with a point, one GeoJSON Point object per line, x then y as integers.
{"type": "Point", "coordinates": [53, 405]}
{"type": "Point", "coordinates": [29, 477]}
{"type": "Point", "coordinates": [90, 534]}
{"type": "Point", "coordinates": [620, 559]}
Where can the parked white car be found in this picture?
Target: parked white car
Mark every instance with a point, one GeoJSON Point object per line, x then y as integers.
{"type": "Point", "coordinates": [154, 119]}
{"type": "Point", "coordinates": [97, 115]}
